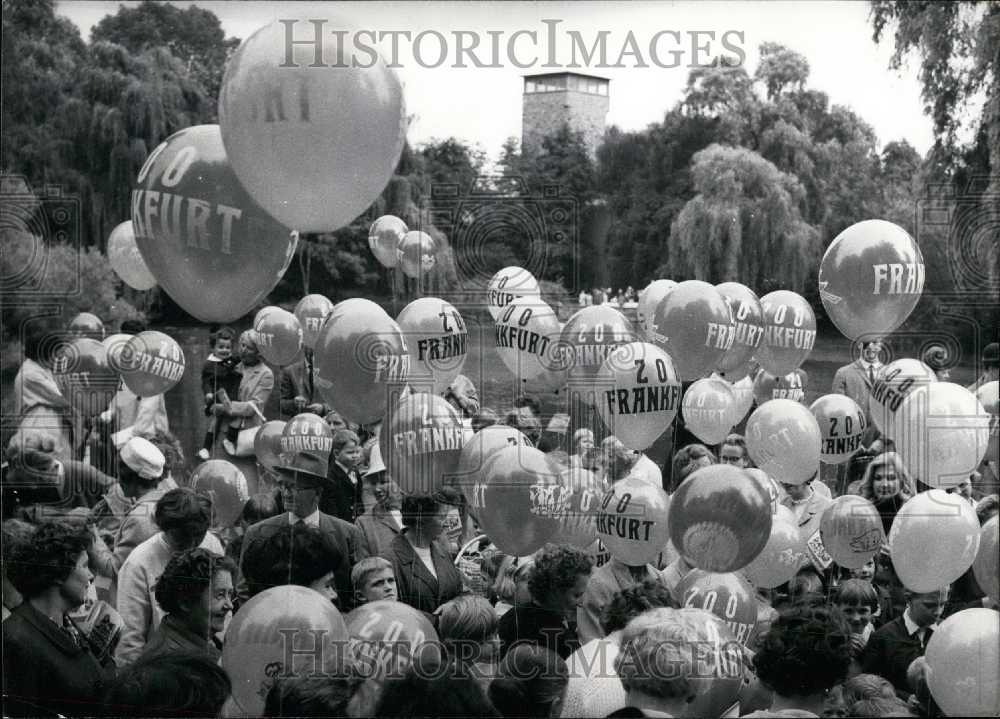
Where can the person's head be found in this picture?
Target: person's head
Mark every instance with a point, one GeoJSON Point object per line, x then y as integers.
{"type": "Point", "coordinates": [301, 480]}
{"type": "Point", "coordinates": [963, 489]}
{"type": "Point", "coordinates": [987, 508]}
{"type": "Point", "coordinates": [87, 324]}
{"type": "Point", "coordinates": [53, 558]}
{"type": "Point", "coordinates": [173, 454]}
{"type": "Point", "coordinates": [734, 451]}
{"type": "Point", "coordinates": [373, 579]}
{"type": "Point", "coordinates": [141, 466]}
{"type": "Point", "coordinates": [347, 448]}
{"type": "Point", "coordinates": [866, 686]}
{"type": "Point", "coordinates": [511, 584]}
{"type": "Point", "coordinates": [250, 347]}
{"type": "Point", "coordinates": [858, 602]}
{"type": "Point", "coordinates": [616, 458]}
{"type": "Point", "coordinates": [41, 337]}
{"type": "Point", "coordinates": [335, 421]}
{"type": "Point", "coordinates": [531, 681]}
{"type": "Point", "coordinates": [878, 707]}
{"type": "Point", "coordinates": [629, 603]}
{"type": "Point", "coordinates": [870, 350]}
{"type": "Point", "coordinates": [526, 421]}
{"type": "Point", "coordinates": [183, 516]}
{"type": "Point", "coordinates": [926, 608]}
{"type": "Point", "coordinates": [305, 695]}
{"type": "Point", "coordinates": [797, 491]}
{"type": "Point", "coordinates": [486, 417]}
{"type": "Point", "coordinates": [260, 506]}
{"type": "Point", "coordinates": [15, 533]}
{"type": "Point", "coordinates": [866, 572]}
{"type": "Point", "coordinates": [423, 515]}
{"type": "Point", "coordinates": [302, 555]}
{"type": "Point", "coordinates": [559, 578]}
{"type": "Point", "coordinates": [688, 459]}
{"type": "Point", "coordinates": [467, 626]}
{"type": "Point", "coordinates": [886, 478]}
{"type": "Point", "coordinates": [221, 341]}
{"type": "Point", "coordinates": [197, 587]}
{"type": "Point", "coordinates": [583, 441]}
{"type": "Point", "coordinates": [133, 326]}
{"type": "Point", "coordinates": [170, 685]}
{"type": "Point", "coordinates": [377, 481]}
{"type": "Point", "coordinates": [805, 583]}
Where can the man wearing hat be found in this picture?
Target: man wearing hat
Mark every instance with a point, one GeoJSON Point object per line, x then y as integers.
{"type": "Point", "coordinates": [302, 479]}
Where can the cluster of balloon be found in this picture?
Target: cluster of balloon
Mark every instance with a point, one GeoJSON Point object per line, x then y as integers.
{"type": "Point", "coordinates": [783, 439]}
{"type": "Point", "coordinates": [417, 254]}
{"type": "Point", "coordinates": [527, 340]}
{"type": "Point", "coordinates": [151, 363]}
{"type": "Point", "coordinates": [649, 299]}
{"type": "Point", "coordinates": [789, 332]}
{"type": "Point", "coordinates": [767, 386]}
{"type": "Point", "coordinates": [87, 378]}
{"type": "Point", "coordinates": [207, 243]}
{"type": "Point", "coordinates": [871, 278]}
{"type": "Point", "coordinates": [86, 324]}
{"type": "Point", "coordinates": [694, 326]}
{"type": "Point", "coordinates": [386, 637]}
{"type": "Point", "coordinates": [851, 531]}
{"type": "Point", "coordinates": [933, 540]}
{"type": "Point", "coordinates": [360, 353]}
{"type": "Point", "coordinates": [588, 338]}
{"type": "Point", "coordinates": [749, 318]}
{"type": "Point", "coordinates": [384, 237]}
{"type": "Point", "coordinates": [279, 336]}
{"type": "Point", "coordinates": [438, 341]}
{"type": "Point", "coordinates": [311, 312]}
{"type": "Point", "coordinates": [507, 285]}
{"type": "Point", "coordinates": [720, 680]}
{"type": "Point", "coordinates": [281, 624]}
{"type": "Point", "coordinates": [314, 148]}
{"type": "Point", "coordinates": [986, 567]}
{"type": "Point", "coordinates": [267, 443]}
{"type": "Point", "coordinates": [578, 525]}
{"type": "Point", "coordinates": [632, 521]}
{"type": "Point", "coordinates": [478, 451]}
{"type": "Point", "coordinates": [842, 424]}
{"type": "Point", "coordinates": [306, 432]}
{"type": "Point", "coordinates": [709, 409]}
{"type": "Point", "coordinates": [642, 396]}
{"type": "Point", "coordinates": [226, 486]}
{"type": "Point", "coordinates": [421, 442]}
{"type": "Point", "coordinates": [894, 383]}
{"type": "Point", "coordinates": [963, 664]}
{"type": "Point", "coordinates": [727, 595]}
{"type": "Point", "coordinates": [720, 519]}
{"type": "Point", "coordinates": [126, 260]}
{"type": "Point", "coordinates": [781, 557]}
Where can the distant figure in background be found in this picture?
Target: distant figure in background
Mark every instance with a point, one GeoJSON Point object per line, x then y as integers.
{"type": "Point", "coordinates": [585, 298]}
{"type": "Point", "coordinates": [344, 494]}
{"type": "Point", "coordinates": [733, 450]}
{"type": "Point", "coordinates": [220, 381]}
{"type": "Point", "coordinates": [461, 394]}
{"type": "Point", "coordinates": [298, 388]}
{"type": "Point", "coordinates": [687, 460]}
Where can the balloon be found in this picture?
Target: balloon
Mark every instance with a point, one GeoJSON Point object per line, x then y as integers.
{"type": "Point", "coordinates": [893, 384]}
{"type": "Point", "coordinates": [986, 567]}
{"type": "Point", "coordinates": [279, 337]}
{"type": "Point", "coordinates": [86, 324]}
{"type": "Point", "coordinates": [262, 313]}
{"type": "Point", "coordinates": [527, 340]}
{"type": "Point", "coordinates": [645, 395]}
{"type": "Point", "coordinates": [774, 490]}
{"type": "Point", "coordinates": [728, 596]}
{"type": "Point", "coordinates": [719, 664]}
{"type": "Point", "coordinates": [210, 246]}
{"type": "Point", "coordinates": [841, 425]}
{"type": "Point", "coordinates": [507, 285]}
{"type": "Point", "coordinates": [421, 442]}
{"type": "Point", "coordinates": [226, 486]}
{"type": "Point", "coordinates": [258, 637]}
{"type": "Point", "coordinates": [86, 377]}
{"type": "Point", "coordinates": [694, 326]}
{"type": "Point", "coordinates": [590, 336]}
{"type": "Point", "coordinates": [438, 341]}
{"type": "Point", "coordinates": [789, 332]}
{"type": "Point", "coordinates": [578, 525]}
{"type": "Point", "coordinates": [933, 540]}
{"type": "Point", "coordinates": [870, 278]}
{"type": "Point", "coordinates": [720, 519]}
{"type": "Point", "coordinates": [989, 396]}
{"type": "Point", "coordinates": [385, 635]}
{"type": "Point", "coordinates": [942, 432]}
{"type": "Point", "coordinates": [649, 300]}
{"type": "Point", "coordinates": [151, 363]}
{"type": "Point", "coordinates": [126, 260]}
{"type": "Point", "coordinates": [963, 664]}
{"type": "Point", "coordinates": [749, 319]}
{"type": "Point", "coordinates": [311, 312]}
{"type": "Point", "coordinates": [781, 557]}
{"type": "Point", "coordinates": [709, 409]}
{"type": "Point", "coordinates": [783, 439]}
{"type": "Point", "coordinates": [113, 345]}
{"type": "Point", "coordinates": [417, 253]}
{"type": "Point", "coordinates": [851, 530]}
{"type": "Point", "coordinates": [632, 521]}
{"type": "Point", "coordinates": [315, 147]}
{"type": "Point", "coordinates": [791, 386]}
{"type": "Point", "coordinates": [360, 353]}
{"type": "Point", "coordinates": [743, 397]}
{"type": "Point", "coordinates": [306, 432]}
{"type": "Point", "coordinates": [384, 237]}
{"type": "Point", "coordinates": [478, 450]}
{"type": "Point", "coordinates": [267, 443]}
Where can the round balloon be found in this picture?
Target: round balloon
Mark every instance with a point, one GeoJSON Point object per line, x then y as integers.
{"type": "Point", "coordinates": [507, 285]}
{"type": "Point", "coordinates": [851, 530]}
{"type": "Point", "coordinates": [870, 278]}
{"type": "Point", "coordinates": [306, 432]}
{"type": "Point", "coordinates": [720, 519]}
{"type": "Point", "coordinates": [709, 409]}
{"type": "Point", "coordinates": [774, 490]}
{"type": "Point", "coordinates": [279, 337]}
{"type": "Point", "coordinates": [789, 332]}
{"type": "Point", "coordinates": [360, 355]}
{"type": "Point", "coordinates": [210, 246]}
{"type": "Point", "coordinates": [86, 377]}
{"type": "Point", "coordinates": [963, 664]}
{"type": "Point", "coordinates": [893, 384]}
{"type": "Point", "coordinates": [842, 424]}
{"type": "Point", "coordinates": [385, 635]}
{"type": "Point", "coordinates": [989, 396]}
{"type": "Point", "coordinates": [632, 521]}
{"type": "Point", "coordinates": [527, 340]}
{"type": "Point", "coordinates": [781, 557]}
{"type": "Point", "coordinates": [694, 326]}
{"type": "Point", "coordinates": [311, 312]}
{"type": "Point", "coordinates": [281, 624]}
{"type": "Point", "coordinates": [649, 299]}
{"type": "Point", "coordinates": [226, 486]}
{"type": "Point", "coordinates": [642, 396]}
{"type": "Point", "coordinates": [384, 237]}
{"type": "Point", "coordinates": [728, 596]}
{"type": "Point", "coordinates": [783, 439]}
{"type": "Point", "coordinates": [88, 325]}
{"type": "Point", "coordinates": [315, 147]}
{"type": "Point", "coordinates": [743, 397]}
{"type": "Point", "coordinates": [791, 386]}
{"type": "Point", "coordinates": [262, 313]}
{"type": "Point", "coordinates": [421, 442]}
{"type": "Point", "coordinates": [749, 319]}
{"type": "Point", "coordinates": [438, 341]}
{"type": "Point", "coordinates": [578, 525]}
{"type": "Point", "coordinates": [267, 443]}
{"type": "Point", "coordinates": [417, 253]}
{"type": "Point", "coordinates": [986, 567]}
{"type": "Point", "coordinates": [113, 345]}
{"type": "Point", "coordinates": [589, 337]}
{"type": "Point", "coordinates": [933, 540]}
{"type": "Point", "coordinates": [126, 260]}
{"type": "Point", "coordinates": [477, 451]}
{"type": "Point", "coordinates": [151, 363]}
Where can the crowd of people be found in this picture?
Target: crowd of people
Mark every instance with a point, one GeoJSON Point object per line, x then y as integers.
{"type": "Point", "coordinates": [119, 584]}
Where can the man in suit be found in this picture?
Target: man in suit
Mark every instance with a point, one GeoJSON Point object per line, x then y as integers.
{"type": "Point", "coordinates": [298, 389]}
{"type": "Point", "coordinates": [808, 505]}
{"type": "Point", "coordinates": [383, 522]}
{"type": "Point", "coordinates": [302, 480]}
{"type": "Point", "coordinates": [857, 378]}
{"type": "Point", "coordinates": [605, 582]}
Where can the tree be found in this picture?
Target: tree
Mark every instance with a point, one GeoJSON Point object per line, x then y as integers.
{"type": "Point", "coordinates": [781, 68]}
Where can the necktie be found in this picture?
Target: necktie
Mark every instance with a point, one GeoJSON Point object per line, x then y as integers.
{"type": "Point", "coordinates": [871, 374]}
{"type": "Point", "coordinates": [309, 378]}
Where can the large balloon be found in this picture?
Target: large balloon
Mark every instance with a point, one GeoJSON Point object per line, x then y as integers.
{"type": "Point", "coordinates": [87, 378]}
{"type": "Point", "coordinates": [384, 237]}
{"type": "Point", "coordinates": [642, 396]}
{"type": "Point", "coordinates": [210, 246]}
{"type": "Point", "coordinates": [360, 355]}
{"type": "Point", "coordinates": [438, 341]}
{"type": "Point", "coordinates": [421, 442]}
{"type": "Point", "coordinates": [649, 300]}
{"type": "Point", "coordinates": [385, 635]}
{"type": "Point", "coordinates": [986, 567]}
{"type": "Point", "coordinates": [709, 409]}
{"type": "Point", "coordinates": [792, 386]}
{"type": "Point", "coordinates": [279, 337]}
{"type": "Point", "coordinates": [783, 439]}
{"type": "Point", "coordinates": [281, 624]}
{"type": "Point", "coordinates": [311, 312]}
{"type": "Point", "coordinates": [781, 557]}
{"type": "Point", "coordinates": [314, 145]}
{"type": "Point", "coordinates": [578, 525]}
{"type": "Point", "coordinates": [871, 278]}
{"type": "Point", "coordinates": [226, 486]}
{"type": "Point", "coordinates": [527, 340]}
{"type": "Point", "coordinates": [632, 521]}
{"type": "Point", "coordinates": [590, 336]}
{"type": "Point", "coordinates": [694, 326]}
{"type": "Point", "coordinates": [851, 530]}
{"type": "Point", "coordinates": [267, 443]}
{"type": "Point", "coordinates": [728, 596]}
{"type": "Point", "coordinates": [417, 253]}
{"type": "Point", "coordinates": [86, 324]}
{"type": "Point", "coordinates": [933, 540]}
{"type": "Point", "coordinates": [507, 285]}
{"type": "Point", "coordinates": [749, 318]}
{"type": "Point", "coordinates": [126, 260]}
{"type": "Point", "coordinates": [842, 423]}
{"type": "Point", "coordinates": [306, 432]}
{"type": "Point", "coordinates": [720, 518]}
{"type": "Point", "coordinates": [893, 384]}
{"type": "Point", "coordinates": [789, 332]}
{"type": "Point", "coordinates": [151, 363]}
{"type": "Point", "coordinates": [478, 450]}
{"type": "Point", "coordinates": [963, 664]}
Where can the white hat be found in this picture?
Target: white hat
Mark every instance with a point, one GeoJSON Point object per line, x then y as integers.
{"type": "Point", "coordinates": [142, 457]}
{"type": "Point", "coordinates": [375, 463]}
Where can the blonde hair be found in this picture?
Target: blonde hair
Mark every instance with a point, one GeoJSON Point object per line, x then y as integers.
{"type": "Point", "coordinates": [511, 568]}
{"type": "Point", "coordinates": [906, 486]}
{"type": "Point", "coordinates": [466, 618]}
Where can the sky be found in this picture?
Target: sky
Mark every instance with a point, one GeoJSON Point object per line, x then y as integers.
{"type": "Point", "coordinates": [482, 105]}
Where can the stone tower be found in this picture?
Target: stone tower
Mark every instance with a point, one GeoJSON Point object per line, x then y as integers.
{"type": "Point", "coordinates": [551, 99]}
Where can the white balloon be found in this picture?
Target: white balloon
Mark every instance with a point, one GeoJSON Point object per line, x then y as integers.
{"type": "Point", "coordinates": [507, 285]}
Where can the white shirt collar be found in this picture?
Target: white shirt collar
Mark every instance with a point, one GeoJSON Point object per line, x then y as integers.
{"type": "Point", "coordinates": [349, 472]}
{"type": "Point", "coordinates": [312, 520]}
{"type": "Point", "coordinates": [911, 626]}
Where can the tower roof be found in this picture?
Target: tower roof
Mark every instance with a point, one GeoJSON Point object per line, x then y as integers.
{"type": "Point", "coordinates": [565, 73]}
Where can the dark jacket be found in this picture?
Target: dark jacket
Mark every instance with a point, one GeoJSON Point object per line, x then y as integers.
{"type": "Point", "coordinates": [889, 652]}
{"type": "Point", "coordinates": [415, 584]}
{"type": "Point", "coordinates": [298, 380]}
{"type": "Point", "coordinates": [379, 529]}
{"type": "Point", "coordinates": [536, 625]}
{"type": "Point", "coordinates": [220, 374]}
{"type": "Point", "coordinates": [173, 637]}
{"type": "Point", "coordinates": [45, 672]}
{"type": "Point", "coordinates": [341, 497]}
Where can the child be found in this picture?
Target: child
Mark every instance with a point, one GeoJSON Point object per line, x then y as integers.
{"type": "Point", "coordinates": [343, 497]}
{"type": "Point", "coordinates": [884, 612]}
{"type": "Point", "coordinates": [858, 602]}
{"type": "Point", "coordinates": [373, 579]}
{"type": "Point", "coordinates": [220, 380]}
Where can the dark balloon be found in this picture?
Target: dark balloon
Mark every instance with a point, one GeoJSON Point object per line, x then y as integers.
{"type": "Point", "coordinates": [728, 596]}
{"type": "Point", "coordinates": [421, 442]}
{"type": "Point", "coordinates": [694, 326]}
{"type": "Point", "coordinates": [749, 319]}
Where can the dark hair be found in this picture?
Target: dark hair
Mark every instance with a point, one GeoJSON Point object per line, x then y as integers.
{"type": "Point", "coordinates": [530, 678]}
{"type": "Point", "coordinates": [225, 332]}
{"type": "Point", "coordinates": [679, 470]}
{"type": "Point", "coordinates": [629, 603]}
{"type": "Point", "coordinates": [127, 475]}
{"type": "Point", "coordinates": [133, 327]}
{"type": "Point", "coordinates": [857, 591]}
{"type": "Point", "coordinates": [557, 567]}
{"type": "Point", "coordinates": [262, 505]}
{"type": "Point", "coordinates": [486, 417]}
{"type": "Point", "coordinates": [805, 652]}
{"type": "Point", "coordinates": [170, 685]}
{"type": "Point", "coordinates": [173, 453]}
{"type": "Point", "coordinates": [184, 510]}
{"type": "Point", "coordinates": [46, 557]}
{"type": "Point", "coordinates": [186, 577]}
{"type": "Point", "coordinates": [300, 556]}
{"type": "Point", "coordinates": [880, 707]}
{"type": "Point", "coordinates": [318, 695]}
{"type": "Point", "coordinates": [802, 584]}
{"type": "Point", "coordinates": [42, 336]}
{"type": "Point", "coordinates": [416, 506]}
{"type": "Point", "coordinates": [433, 686]}
{"type": "Point", "coordinates": [530, 402]}
{"type": "Point", "coordinates": [986, 507]}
